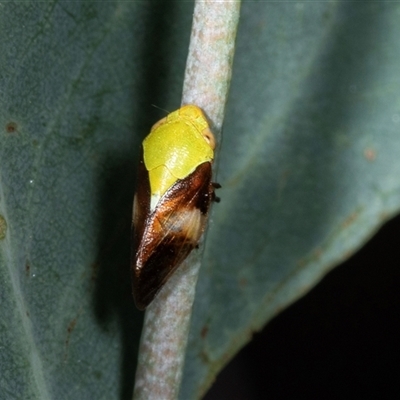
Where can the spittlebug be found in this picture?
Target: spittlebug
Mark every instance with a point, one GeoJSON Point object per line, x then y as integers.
{"type": "Point", "coordinates": [172, 199]}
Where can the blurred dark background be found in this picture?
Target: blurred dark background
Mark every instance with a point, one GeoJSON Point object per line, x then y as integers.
{"type": "Point", "coordinates": [341, 341]}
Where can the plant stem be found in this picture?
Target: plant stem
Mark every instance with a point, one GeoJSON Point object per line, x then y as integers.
{"type": "Point", "coordinates": [167, 319]}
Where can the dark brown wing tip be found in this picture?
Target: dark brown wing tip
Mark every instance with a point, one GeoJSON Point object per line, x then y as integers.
{"type": "Point", "coordinates": [148, 282]}
{"type": "Point", "coordinates": [156, 270]}
{"type": "Point", "coordinates": [142, 294]}
{"type": "Point", "coordinates": [140, 305]}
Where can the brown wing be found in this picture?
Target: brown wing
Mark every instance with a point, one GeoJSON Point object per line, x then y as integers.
{"type": "Point", "coordinates": [170, 233]}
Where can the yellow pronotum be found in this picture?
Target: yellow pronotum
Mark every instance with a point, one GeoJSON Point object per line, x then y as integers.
{"type": "Point", "coordinates": [175, 147]}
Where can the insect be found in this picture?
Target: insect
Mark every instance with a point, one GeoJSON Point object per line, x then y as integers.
{"type": "Point", "coordinates": [172, 200]}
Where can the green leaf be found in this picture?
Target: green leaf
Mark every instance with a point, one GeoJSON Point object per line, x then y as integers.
{"type": "Point", "coordinates": [309, 167]}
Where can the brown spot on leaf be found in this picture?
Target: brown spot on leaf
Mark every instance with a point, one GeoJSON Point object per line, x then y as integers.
{"type": "Point", "coordinates": [70, 328]}
{"type": "Point", "coordinates": [350, 219]}
{"type": "Point", "coordinates": [318, 253]}
{"type": "Point", "coordinates": [370, 154]}
{"type": "Point", "coordinates": [204, 331]}
{"type": "Point", "coordinates": [3, 227]}
{"type": "Point", "coordinates": [11, 127]}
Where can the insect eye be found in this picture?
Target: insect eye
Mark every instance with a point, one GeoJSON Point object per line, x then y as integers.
{"type": "Point", "coordinates": [209, 138]}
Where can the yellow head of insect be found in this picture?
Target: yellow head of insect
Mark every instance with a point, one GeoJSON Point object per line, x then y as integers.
{"type": "Point", "coordinates": [175, 147]}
